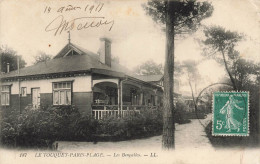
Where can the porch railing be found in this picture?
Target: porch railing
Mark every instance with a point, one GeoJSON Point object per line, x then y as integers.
{"type": "Point", "coordinates": [101, 111]}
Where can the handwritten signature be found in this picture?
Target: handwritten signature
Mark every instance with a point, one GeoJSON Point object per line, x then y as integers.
{"type": "Point", "coordinates": [59, 24]}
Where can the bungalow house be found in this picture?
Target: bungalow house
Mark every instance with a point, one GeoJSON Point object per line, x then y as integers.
{"type": "Point", "coordinates": [75, 76]}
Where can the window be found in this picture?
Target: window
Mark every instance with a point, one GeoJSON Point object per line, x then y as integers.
{"type": "Point", "coordinates": [36, 98]}
{"type": "Point", "coordinates": [5, 95]}
{"type": "Point", "coordinates": [24, 91]}
{"type": "Point", "coordinates": [62, 93]}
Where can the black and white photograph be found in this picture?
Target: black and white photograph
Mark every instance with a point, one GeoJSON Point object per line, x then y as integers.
{"type": "Point", "coordinates": [130, 81]}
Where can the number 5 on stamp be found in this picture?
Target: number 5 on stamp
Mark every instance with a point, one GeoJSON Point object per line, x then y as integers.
{"type": "Point", "coordinates": [230, 114]}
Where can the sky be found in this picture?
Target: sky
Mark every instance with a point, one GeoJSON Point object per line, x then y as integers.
{"type": "Point", "coordinates": [135, 37]}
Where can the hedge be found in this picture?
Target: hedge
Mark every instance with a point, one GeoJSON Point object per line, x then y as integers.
{"type": "Point", "coordinates": [40, 128]}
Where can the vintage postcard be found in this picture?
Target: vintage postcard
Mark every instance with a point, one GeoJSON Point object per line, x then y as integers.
{"type": "Point", "coordinates": [130, 81]}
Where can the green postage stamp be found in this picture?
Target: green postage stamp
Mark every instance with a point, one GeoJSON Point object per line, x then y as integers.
{"type": "Point", "coordinates": [230, 114]}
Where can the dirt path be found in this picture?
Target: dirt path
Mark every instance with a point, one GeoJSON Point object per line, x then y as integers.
{"type": "Point", "coordinates": [192, 135]}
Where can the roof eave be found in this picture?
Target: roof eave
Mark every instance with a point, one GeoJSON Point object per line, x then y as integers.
{"type": "Point", "coordinates": [144, 82]}
{"type": "Point", "coordinates": [47, 76]}
{"type": "Point", "coordinates": [108, 72]}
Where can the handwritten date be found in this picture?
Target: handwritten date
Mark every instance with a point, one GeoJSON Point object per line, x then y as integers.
{"type": "Point", "coordinates": [88, 8]}
{"type": "Point", "coordinates": [68, 8]}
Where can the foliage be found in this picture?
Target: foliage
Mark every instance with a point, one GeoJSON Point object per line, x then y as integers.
{"type": "Point", "coordinates": [7, 55]}
{"type": "Point", "coordinates": [187, 17]}
{"type": "Point", "coordinates": [41, 128]}
{"type": "Point", "coordinates": [84, 128]}
{"type": "Point", "coordinates": [181, 111]}
{"type": "Point", "coordinates": [254, 109]}
{"type": "Point", "coordinates": [245, 72]}
{"type": "Point", "coordinates": [190, 66]}
{"type": "Point", "coordinates": [116, 59]}
{"type": "Point", "coordinates": [207, 95]}
{"type": "Point", "coordinates": [191, 70]}
{"type": "Point", "coordinates": [135, 125]}
{"type": "Point", "coordinates": [178, 70]}
{"type": "Point", "coordinates": [149, 68]}
{"type": "Point", "coordinates": [222, 42]}
{"type": "Point", "coordinates": [218, 39]}
{"type": "Point", "coordinates": [42, 57]}
{"type": "Point", "coordinates": [112, 126]}
{"type": "Point", "coordinates": [38, 128]}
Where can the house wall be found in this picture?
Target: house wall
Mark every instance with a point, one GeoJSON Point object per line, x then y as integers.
{"type": "Point", "coordinates": [80, 84]}
{"type": "Point", "coordinates": [81, 92]}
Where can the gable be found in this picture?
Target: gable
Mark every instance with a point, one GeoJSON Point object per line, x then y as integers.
{"type": "Point", "coordinates": [71, 53]}
{"type": "Point", "coordinates": [69, 50]}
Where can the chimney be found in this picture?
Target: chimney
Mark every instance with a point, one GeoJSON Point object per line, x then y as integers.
{"type": "Point", "coordinates": [105, 51]}
{"type": "Point", "coordinates": [8, 68]}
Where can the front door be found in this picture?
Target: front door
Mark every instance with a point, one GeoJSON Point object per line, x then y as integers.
{"type": "Point", "coordinates": [36, 97]}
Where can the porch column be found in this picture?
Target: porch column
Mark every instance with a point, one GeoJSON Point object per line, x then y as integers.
{"type": "Point", "coordinates": [141, 98]}
{"type": "Point", "coordinates": [156, 100]}
{"type": "Point", "coordinates": [155, 97]}
{"type": "Point", "coordinates": [119, 95]}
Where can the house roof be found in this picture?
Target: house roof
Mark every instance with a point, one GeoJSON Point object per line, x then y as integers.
{"type": "Point", "coordinates": [87, 60]}
{"type": "Point", "coordinates": [149, 78]}
{"type": "Point", "coordinates": [84, 61]}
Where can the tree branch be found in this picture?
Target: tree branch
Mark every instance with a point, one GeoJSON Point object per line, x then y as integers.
{"type": "Point", "coordinates": [228, 71]}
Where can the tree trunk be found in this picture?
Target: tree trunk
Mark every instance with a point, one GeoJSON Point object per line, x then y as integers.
{"type": "Point", "coordinates": [228, 71]}
{"type": "Point", "coordinates": [192, 94]}
{"type": "Point", "coordinates": [168, 107]}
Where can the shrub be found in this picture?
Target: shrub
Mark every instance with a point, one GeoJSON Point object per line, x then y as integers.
{"type": "Point", "coordinates": [111, 126]}
{"type": "Point", "coordinates": [40, 128]}
{"type": "Point", "coordinates": [147, 123]}
{"type": "Point", "coordinates": [9, 129]}
{"type": "Point", "coordinates": [153, 120]}
{"type": "Point", "coordinates": [84, 128]}
{"type": "Point", "coordinates": [181, 112]}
